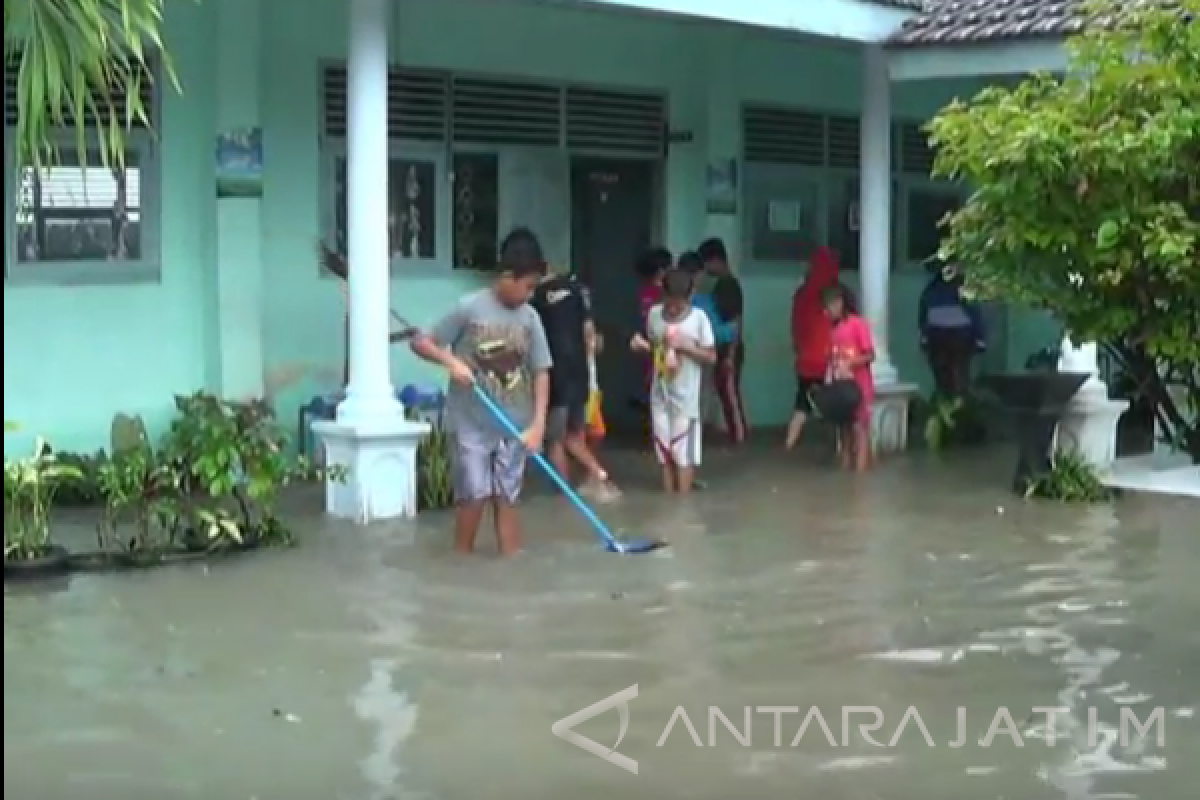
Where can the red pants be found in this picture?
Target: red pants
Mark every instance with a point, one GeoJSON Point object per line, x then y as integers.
{"type": "Point", "coordinates": [728, 380]}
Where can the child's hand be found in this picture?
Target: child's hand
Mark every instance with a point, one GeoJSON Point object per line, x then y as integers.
{"type": "Point", "coordinates": [532, 438]}
{"type": "Point", "coordinates": [460, 373]}
{"type": "Point", "coordinates": [672, 336]}
{"type": "Point", "coordinates": [639, 344]}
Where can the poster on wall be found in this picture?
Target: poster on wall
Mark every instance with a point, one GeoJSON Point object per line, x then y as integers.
{"type": "Point", "coordinates": [240, 162]}
{"type": "Point", "coordinates": [720, 187]}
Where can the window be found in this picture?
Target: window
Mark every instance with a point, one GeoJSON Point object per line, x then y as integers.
{"type": "Point", "coordinates": [476, 210]}
{"type": "Point", "coordinates": [79, 212]}
{"type": "Point", "coordinates": [845, 222]}
{"type": "Point", "coordinates": [472, 155]}
{"type": "Point", "coordinates": [926, 210]}
{"type": "Point", "coordinates": [415, 197]}
{"type": "Point", "coordinates": [76, 221]}
{"type": "Point", "coordinates": [782, 212]}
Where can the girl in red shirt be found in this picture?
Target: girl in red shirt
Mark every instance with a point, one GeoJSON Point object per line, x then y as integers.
{"type": "Point", "coordinates": [811, 331]}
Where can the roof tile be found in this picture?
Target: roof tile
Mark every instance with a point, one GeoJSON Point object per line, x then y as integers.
{"type": "Point", "coordinates": [948, 22]}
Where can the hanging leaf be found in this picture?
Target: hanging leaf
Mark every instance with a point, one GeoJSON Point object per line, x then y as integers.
{"type": "Point", "coordinates": [74, 60]}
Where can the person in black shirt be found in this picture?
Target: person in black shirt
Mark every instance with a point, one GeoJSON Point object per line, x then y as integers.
{"type": "Point", "coordinates": [563, 304]}
{"type": "Point", "coordinates": [731, 352]}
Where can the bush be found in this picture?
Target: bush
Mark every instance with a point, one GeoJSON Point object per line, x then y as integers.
{"type": "Point", "coordinates": [29, 487]}
{"type": "Point", "coordinates": [212, 483]}
{"type": "Point", "coordinates": [1071, 479]}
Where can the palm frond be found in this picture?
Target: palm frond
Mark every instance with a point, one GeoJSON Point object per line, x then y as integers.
{"type": "Point", "coordinates": [72, 59]}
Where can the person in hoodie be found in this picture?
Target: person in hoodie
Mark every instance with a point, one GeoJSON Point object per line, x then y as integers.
{"type": "Point", "coordinates": [952, 330]}
{"type": "Point", "coordinates": [811, 331]}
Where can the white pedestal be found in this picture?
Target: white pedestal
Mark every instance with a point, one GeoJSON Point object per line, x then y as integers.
{"type": "Point", "coordinates": [380, 457]}
{"type": "Point", "coordinates": [1089, 424]}
{"type": "Point", "coordinates": [889, 417]}
{"type": "Point", "coordinates": [1089, 428]}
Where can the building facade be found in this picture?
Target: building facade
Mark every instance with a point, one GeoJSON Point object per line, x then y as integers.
{"type": "Point", "coordinates": [604, 126]}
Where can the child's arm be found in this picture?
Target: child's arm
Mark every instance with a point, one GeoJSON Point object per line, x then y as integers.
{"type": "Point", "coordinates": [595, 342]}
{"type": "Point", "coordinates": [437, 347]}
{"type": "Point", "coordinates": [540, 362]}
{"type": "Point", "coordinates": [864, 353]}
{"type": "Point", "coordinates": [703, 348]}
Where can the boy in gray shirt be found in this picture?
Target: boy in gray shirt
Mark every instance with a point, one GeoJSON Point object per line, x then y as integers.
{"type": "Point", "coordinates": [494, 338]}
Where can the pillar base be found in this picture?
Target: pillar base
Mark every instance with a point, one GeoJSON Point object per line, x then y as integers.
{"type": "Point", "coordinates": [889, 417]}
{"type": "Point", "coordinates": [1089, 428]}
{"type": "Point", "coordinates": [380, 458]}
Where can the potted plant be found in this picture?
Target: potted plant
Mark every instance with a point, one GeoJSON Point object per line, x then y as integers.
{"type": "Point", "coordinates": [29, 486]}
{"type": "Point", "coordinates": [142, 520]}
{"type": "Point", "coordinates": [435, 485]}
{"type": "Point", "coordinates": [232, 461]}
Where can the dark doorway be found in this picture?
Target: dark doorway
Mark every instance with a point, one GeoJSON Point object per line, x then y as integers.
{"type": "Point", "coordinates": [613, 206]}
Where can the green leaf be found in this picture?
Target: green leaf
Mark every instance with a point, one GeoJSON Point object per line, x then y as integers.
{"type": "Point", "coordinates": [1106, 237]}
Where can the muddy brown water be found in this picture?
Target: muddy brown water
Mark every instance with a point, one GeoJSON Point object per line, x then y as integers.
{"type": "Point", "coordinates": [372, 664]}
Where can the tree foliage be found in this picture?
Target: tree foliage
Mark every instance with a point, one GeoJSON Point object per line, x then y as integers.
{"type": "Point", "coordinates": [72, 58]}
{"type": "Point", "coordinates": [1086, 196]}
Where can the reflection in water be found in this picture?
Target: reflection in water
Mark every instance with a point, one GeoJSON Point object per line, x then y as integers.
{"type": "Point", "coordinates": [372, 664]}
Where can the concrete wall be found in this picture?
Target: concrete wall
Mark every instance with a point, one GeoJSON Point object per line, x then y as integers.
{"type": "Point", "coordinates": [240, 287]}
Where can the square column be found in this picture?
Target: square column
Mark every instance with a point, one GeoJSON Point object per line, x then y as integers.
{"type": "Point", "coordinates": [370, 438]}
{"type": "Point", "coordinates": [236, 368]}
{"type": "Point", "coordinates": [889, 416]}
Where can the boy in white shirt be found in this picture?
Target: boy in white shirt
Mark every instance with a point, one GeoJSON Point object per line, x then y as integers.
{"type": "Point", "coordinates": [681, 340]}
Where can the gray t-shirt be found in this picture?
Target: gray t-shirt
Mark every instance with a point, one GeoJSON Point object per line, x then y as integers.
{"type": "Point", "coordinates": [505, 347]}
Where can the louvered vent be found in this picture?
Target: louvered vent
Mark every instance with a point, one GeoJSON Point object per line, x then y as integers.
{"type": "Point", "coordinates": [506, 112]}
{"type": "Point", "coordinates": [417, 103]}
{"type": "Point", "coordinates": [783, 136]}
{"type": "Point", "coordinates": [916, 156]}
{"type": "Point", "coordinates": [845, 142]}
{"type": "Point", "coordinates": [628, 122]}
{"type": "Point", "coordinates": [117, 97]}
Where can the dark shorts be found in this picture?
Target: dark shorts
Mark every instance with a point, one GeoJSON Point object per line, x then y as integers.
{"type": "Point", "coordinates": [568, 411]}
{"type": "Point", "coordinates": [803, 387]}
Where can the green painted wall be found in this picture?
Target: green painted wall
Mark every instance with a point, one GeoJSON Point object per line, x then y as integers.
{"type": "Point", "coordinates": [76, 355]}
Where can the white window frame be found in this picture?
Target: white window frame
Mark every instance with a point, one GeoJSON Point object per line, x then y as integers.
{"type": "Point", "coordinates": [146, 269]}
{"type": "Point", "coordinates": [333, 148]}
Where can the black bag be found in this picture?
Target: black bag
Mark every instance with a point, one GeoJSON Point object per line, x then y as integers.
{"type": "Point", "coordinates": [837, 401]}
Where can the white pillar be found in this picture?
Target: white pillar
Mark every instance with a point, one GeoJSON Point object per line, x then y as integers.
{"type": "Point", "coordinates": [889, 413]}
{"type": "Point", "coordinates": [875, 198]}
{"type": "Point", "coordinates": [369, 393]}
{"type": "Point", "coordinates": [370, 439]}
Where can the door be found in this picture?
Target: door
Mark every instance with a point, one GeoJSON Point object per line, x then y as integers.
{"type": "Point", "coordinates": [612, 223]}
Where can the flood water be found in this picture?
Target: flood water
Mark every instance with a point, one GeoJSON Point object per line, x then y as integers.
{"type": "Point", "coordinates": [373, 664]}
